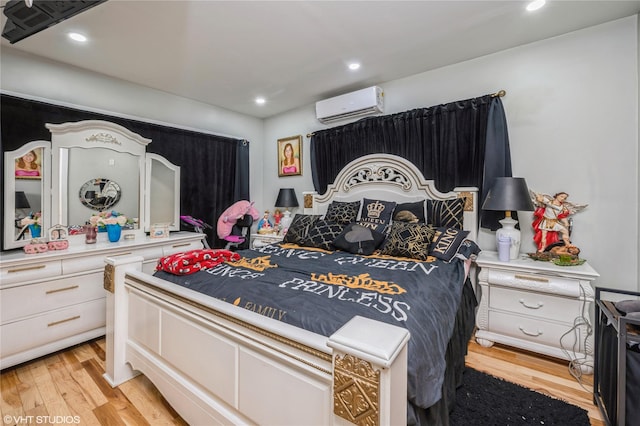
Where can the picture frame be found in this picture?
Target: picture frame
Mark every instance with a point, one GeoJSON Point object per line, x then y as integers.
{"type": "Point", "coordinates": [290, 165]}
{"type": "Point", "coordinates": [58, 232]}
{"type": "Point", "coordinates": [159, 230]}
{"type": "Point", "coordinates": [29, 166]}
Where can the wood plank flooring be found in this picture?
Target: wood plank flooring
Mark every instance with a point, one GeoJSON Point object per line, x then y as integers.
{"type": "Point", "coordinates": [68, 388]}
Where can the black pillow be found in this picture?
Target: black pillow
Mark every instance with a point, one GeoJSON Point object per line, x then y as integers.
{"type": "Point", "coordinates": [408, 240]}
{"type": "Point", "coordinates": [376, 214]}
{"type": "Point", "coordinates": [322, 234]}
{"type": "Point", "coordinates": [445, 213]}
{"type": "Point", "coordinates": [409, 212]}
{"type": "Point", "coordinates": [446, 243]}
{"type": "Point", "coordinates": [342, 212]}
{"type": "Point", "coordinates": [358, 239]}
{"type": "Point", "coordinates": [299, 228]}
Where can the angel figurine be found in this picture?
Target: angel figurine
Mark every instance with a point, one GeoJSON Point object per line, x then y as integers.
{"type": "Point", "coordinates": [551, 224]}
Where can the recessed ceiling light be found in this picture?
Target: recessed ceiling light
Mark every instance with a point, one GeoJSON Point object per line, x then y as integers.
{"type": "Point", "coordinates": [78, 37]}
{"type": "Point", "coordinates": [535, 5]}
{"type": "Point", "coordinates": [261, 101]}
{"type": "Point", "coordinates": [354, 66]}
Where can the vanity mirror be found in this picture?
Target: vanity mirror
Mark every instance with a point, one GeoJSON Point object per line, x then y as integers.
{"type": "Point", "coordinates": [27, 172]}
{"type": "Point", "coordinates": [89, 166]}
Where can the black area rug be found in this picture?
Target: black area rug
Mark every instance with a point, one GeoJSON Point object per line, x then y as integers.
{"type": "Point", "coordinates": [486, 400]}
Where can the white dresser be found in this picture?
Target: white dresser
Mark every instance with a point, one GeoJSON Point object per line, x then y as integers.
{"type": "Point", "coordinates": [537, 306]}
{"type": "Point", "coordinates": [56, 299]}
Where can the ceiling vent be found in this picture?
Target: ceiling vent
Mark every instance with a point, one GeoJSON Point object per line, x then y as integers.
{"type": "Point", "coordinates": [355, 104]}
{"type": "Point", "coordinates": [25, 18]}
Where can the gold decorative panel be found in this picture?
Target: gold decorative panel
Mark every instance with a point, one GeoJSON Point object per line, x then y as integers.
{"type": "Point", "coordinates": [109, 278]}
{"type": "Point", "coordinates": [356, 391]}
{"type": "Point", "coordinates": [308, 201]}
{"type": "Point", "coordinates": [468, 200]}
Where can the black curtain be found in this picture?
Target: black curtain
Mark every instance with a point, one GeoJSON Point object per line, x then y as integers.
{"type": "Point", "coordinates": [448, 143]}
{"type": "Point", "coordinates": [214, 169]}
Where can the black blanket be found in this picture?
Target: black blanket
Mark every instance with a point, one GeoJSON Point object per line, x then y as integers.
{"type": "Point", "coordinates": [320, 291]}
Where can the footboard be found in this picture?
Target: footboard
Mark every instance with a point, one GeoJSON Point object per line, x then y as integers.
{"type": "Point", "coordinates": [217, 363]}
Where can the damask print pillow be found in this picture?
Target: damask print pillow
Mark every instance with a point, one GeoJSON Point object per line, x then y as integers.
{"type": "Point", "coordinates": [342, 212]}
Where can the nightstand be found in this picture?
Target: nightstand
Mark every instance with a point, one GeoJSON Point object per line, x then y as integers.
{"type": "Point", "coordinates": [261, 240]}
{"type": "Point", "coordinates": [537, 306]}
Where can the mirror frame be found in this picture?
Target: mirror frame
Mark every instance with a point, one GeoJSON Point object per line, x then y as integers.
{"type": "Point", "coordinates": [91, 134]}
{"type": "Point", "coordinates": [174, 225]}
{"type": "Point", "coordinates": [10, 188]}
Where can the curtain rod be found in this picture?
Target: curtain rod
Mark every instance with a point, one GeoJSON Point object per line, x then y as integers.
{"type": "Point", "coordinates": [499, 93]}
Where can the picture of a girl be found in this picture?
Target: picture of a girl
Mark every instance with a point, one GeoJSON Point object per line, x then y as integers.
{"type": "Point", "coordinates": [289, 157]}
{"type": "Point", "coordinates": [28, 166]}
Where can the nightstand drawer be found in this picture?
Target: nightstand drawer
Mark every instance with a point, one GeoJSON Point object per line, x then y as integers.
{"type": "Point", "coordinates": [26, 300]}
{"type": "Point", "coordinates": [556, 285]}
{"type": "Point", "coordinates": [539, 305]}
{"type": "Point", "coordinates": [534, 330]}
{"type": "Point", "coordinates": [37, 331]}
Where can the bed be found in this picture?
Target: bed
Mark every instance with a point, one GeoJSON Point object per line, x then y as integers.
{"type": "Point", "coordinates": [308, 334]}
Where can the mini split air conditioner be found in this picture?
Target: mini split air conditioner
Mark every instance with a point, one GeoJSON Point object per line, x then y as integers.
{"type": "Point", "coordinates": [355, 104]}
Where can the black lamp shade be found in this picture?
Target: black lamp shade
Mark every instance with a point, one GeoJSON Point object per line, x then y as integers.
{"type": "Point", "coordinates": [287, 198]}
{"type": "Point", "coordinates": [21, 200]}
{"type": "Point", "coordinates": [508, 194]}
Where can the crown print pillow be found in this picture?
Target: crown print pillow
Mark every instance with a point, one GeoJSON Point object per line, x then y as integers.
{"type": "Point", "coordinates": [376, 214]}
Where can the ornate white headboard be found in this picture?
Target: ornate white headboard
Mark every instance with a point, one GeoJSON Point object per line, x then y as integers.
{"type": "Point", "coordinates": [390, 178]}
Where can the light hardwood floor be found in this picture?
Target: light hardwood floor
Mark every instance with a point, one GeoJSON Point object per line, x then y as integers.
{"type": "Point", "coordinates": [68, 388]}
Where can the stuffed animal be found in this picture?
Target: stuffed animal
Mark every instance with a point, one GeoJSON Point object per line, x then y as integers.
{"type": "Point", "coordinates": [232, 214]}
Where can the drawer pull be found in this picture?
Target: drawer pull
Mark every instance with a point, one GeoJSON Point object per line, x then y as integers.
{"type": "Point", "coordinates": [529, 333]}
{"type": "Point", "coordinates": [51, 324]}
{"type": "Point", "coordinates": [28, 268]}
{"type": "Point", "coordinates": [530, 278]}
{"type": "Point", "coordinates": [61, 289]}
{"type": "Point", "coordinates": [120, 254]}
{"type": "Point", "coordinates": [180, 245]}
{"type": "Point", "coordinates": [537, 306]}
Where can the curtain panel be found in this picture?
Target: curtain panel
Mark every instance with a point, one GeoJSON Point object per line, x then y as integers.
{"type": "Point", "coordinates": [214, 169]}
{"type": "Point", "coordinates": [448, 143]}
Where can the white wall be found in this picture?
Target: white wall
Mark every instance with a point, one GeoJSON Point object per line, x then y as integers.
{"type": "Point", "coordinates": [572, 111]}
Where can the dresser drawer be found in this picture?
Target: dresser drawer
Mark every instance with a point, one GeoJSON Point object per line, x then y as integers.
{"type": "Point", "coordinates": [539, 305]}
{"type": "Point", "coordinates": [30, 299]}
{"type": "Point", "coordinates": [30, 272]}
{"type": "Point", "coordinates": [55, 325]}
{"type": "Point", "coordinates": [181, 246]}
{"type": "Point", "coordinates": [531, 329]}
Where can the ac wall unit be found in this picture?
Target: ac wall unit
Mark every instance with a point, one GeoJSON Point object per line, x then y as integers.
{"type": "Point", "coordinates": [355, 104]}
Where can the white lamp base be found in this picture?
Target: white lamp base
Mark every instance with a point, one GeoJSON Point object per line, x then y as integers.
{"type": "Point", "coordinates": [509, 230]}
{"type": "Point", "coordinates": [285, 222]}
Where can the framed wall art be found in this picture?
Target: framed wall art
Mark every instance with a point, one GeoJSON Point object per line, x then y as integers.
{"type": "Point", "coordinates": [290, 156]}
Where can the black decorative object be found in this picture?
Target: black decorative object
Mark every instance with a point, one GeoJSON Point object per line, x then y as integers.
{"type": "Point", "coordinates": [21, 200]}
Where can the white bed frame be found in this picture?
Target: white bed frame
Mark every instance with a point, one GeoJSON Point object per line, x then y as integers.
{"type": "Point", "coordinates": [217, 363]}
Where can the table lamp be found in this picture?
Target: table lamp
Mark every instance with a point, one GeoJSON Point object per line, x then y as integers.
{"type": "Point", "coordinates": [21, 203]}
{"type": "Point", "coordinates": [286, 198]}
{"type": "Point", "coordinates": [509, 194]}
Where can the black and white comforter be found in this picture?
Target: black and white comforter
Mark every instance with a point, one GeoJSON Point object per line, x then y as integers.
{"type": "Point", "coordinates": [320, 291]}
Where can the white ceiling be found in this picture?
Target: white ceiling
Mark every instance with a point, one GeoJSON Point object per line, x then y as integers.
{"type": "Point", "coordinates": [226, 53]}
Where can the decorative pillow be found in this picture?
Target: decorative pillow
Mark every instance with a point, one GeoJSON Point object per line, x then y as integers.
{"type": "Point", "coordinates": [468, 250]}
{"type": "Point", "coordinates": [446, 242]}
{"type": "Point", "coordinates": [322, 234]}
{"type": "Point", "coordinates": [445, 213]}
{"type": "Point", "coordinates": [358, 239]}
{"type": "Point", "coordinates": [408, 240]}
{"type": "Point", "coordinates": [376, 214]}
{"type": "Point", "coordinates": [299, 228]}
{"type": "Point", "coordinates": [342, 212]}
{"type": "Point", "coordinates": [409, 212]}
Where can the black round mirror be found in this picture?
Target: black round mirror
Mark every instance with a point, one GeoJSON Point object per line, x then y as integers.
{"type": "Point", "coordinates": [100, 194]}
